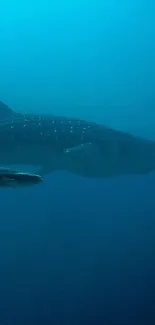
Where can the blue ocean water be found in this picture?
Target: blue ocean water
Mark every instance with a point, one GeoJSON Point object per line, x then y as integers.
{"type": "Point", "coordinates": [73, 250]}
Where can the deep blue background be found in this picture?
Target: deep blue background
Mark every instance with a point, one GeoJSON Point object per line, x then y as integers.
{"type": "Point", "coordinates": [78, 251]}
{"type": "Point", "coordinates": [73, 250]}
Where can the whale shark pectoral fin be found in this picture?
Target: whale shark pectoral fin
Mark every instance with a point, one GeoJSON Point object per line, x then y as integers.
{"type": "Point", "coordinates": [86, 160]}
{"type": "Point", "coordinates": [82, 148]}
{"type": "Point", "coordinates": [83, 154]}
{"type": "Point", "coordinates": [70, 156]}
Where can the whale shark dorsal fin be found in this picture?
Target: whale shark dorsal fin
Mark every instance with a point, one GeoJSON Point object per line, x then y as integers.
{"type": "Point", "coordinates": [5, 111]}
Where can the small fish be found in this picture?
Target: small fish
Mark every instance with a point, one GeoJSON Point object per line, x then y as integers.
{"type": "Point", "coordinates": [16, 178]}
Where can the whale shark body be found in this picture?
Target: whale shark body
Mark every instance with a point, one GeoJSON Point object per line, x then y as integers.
{"type": "Point", "coordinates": [60, 143]}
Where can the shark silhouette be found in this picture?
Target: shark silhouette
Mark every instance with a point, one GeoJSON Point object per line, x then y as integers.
{"type": "Point", "coordinates": [61, 143]}
{"type": "Point", "coordinates": [17, 178]}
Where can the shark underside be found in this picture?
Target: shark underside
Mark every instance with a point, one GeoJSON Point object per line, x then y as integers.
{"type": "Point", "coordinates": [60, 143]}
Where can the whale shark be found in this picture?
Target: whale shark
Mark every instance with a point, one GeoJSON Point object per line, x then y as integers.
{"type": "Point", "coordinates": [54, 143]}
